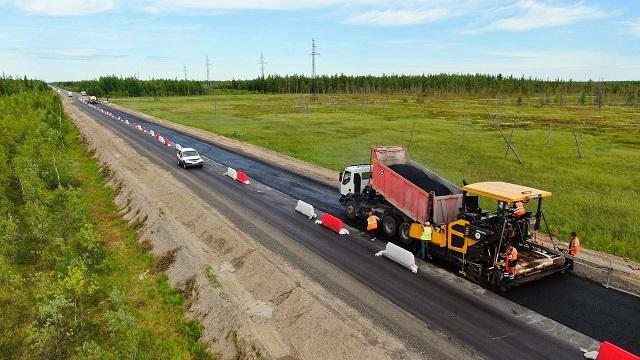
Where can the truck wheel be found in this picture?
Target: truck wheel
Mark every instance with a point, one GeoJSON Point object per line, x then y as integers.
{"type": "Point", "coordinates": [403, 233]}
{"type": "Point", "coordinates": [389, 225]}
{"type": "Point", "coordinates": [350, 208]}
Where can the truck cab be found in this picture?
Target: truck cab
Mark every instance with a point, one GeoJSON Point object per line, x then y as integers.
{"type": "Point", "coordinates": [354, 178]}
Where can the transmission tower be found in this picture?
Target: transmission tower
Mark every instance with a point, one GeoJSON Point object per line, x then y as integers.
{"type": "Point", "coordinates": [185, 71]}
{"type": "Point", "coordinates": [207, 64]}
{"type": "Point", "coordinates": [262, 62]}
{"type": "Point", "coordinates": [314, 53]}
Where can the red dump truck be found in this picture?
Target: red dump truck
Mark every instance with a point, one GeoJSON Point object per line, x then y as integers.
{"type": "Point", "coordinates": [406, 194]}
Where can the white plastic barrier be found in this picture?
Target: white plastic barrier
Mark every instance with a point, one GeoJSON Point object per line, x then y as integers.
{"type": "Point", "coordinates": [232, 173]}
{"type": "Point", "coordinates": [127, 122]}
{"type": "Point", "coordinates": [306, 209]}
{"type": "Point", "coordinates": [151, 132]}
{"type": "Point", "coordinates": [161, 139]}
{"type": "Point", "coordinates": [178, 147]}
{"type": "Point", "coordinates": [399, 255]}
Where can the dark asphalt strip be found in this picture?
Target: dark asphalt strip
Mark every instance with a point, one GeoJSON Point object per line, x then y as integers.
{"type": "Point", "coordinates": [492, 332]}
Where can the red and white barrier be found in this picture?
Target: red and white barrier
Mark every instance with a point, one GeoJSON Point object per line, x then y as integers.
{"type": "Point", "coordinates": [167, 142]}
{"type": "Point", "coordinates": [333, 223]}
{"type": "Point", "coordinates": [242, 177]}
{"type": "Point", "coordinates": [608, 351]}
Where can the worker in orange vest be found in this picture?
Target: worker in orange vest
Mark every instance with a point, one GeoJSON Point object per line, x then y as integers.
{"type": "Point", "coordinates": [372, 225]}
{"type": "Point", "coordinates": [510, 260]}
{"type": "Point", "coordinates": [574, 244]}
{"type": "Point", "coordinates": [519, 209]}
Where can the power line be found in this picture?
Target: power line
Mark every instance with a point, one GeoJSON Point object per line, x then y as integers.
{"type": "Point", "coordinates": [207, 64]}
{"type": "Point", "coordinates": [262, 62]}
{"type": "Point", "coordinates": [313, 89]}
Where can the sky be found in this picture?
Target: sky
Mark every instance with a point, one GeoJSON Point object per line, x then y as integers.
{"type": "Point", "coordinates": [59, 40]}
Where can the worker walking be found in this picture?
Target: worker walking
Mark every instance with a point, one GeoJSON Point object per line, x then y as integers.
{"type": "Point", "coordinates": [510, 260]}
{"type": "Point", "coordinates": [425, 238]}
{"type": "Point", "coordinates": [372, 225]}
{"type": "Point", "coordinates": [574, 244]}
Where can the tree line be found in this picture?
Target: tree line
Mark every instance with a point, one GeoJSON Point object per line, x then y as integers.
{"type": "Point", "coordinates": [427, 85]}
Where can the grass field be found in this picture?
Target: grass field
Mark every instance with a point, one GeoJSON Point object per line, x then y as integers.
{"type": "Point", "coordinates": [596, 195]}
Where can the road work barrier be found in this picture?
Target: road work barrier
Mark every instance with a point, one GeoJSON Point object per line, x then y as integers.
{"type": "Point", "coordinates": [231, 173]}
{"type": "Point", "coordinates": [161, 139]}
{"type": "Point", "coordinates": [167, 142]}
{"type": "Point", "coordinates": [242, 177]}
{"type": "Point", "coordinates": [608, 351]}
{"type": "Point", "coordinates": [399, 255]}
{"type": "Point", "coordinates": [333, 223]}
{"type": "Point", "coordinates": [127, 122]}
{"type": "Point", "coordinates": [178, 147]}
{"type": "Point", "coordinates": [306, 209]}
{"type": "Point", "coordinates": [151, 132]}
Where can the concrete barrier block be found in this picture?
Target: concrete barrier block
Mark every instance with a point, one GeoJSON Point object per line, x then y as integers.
{"type": "Point", "coordinates": [399, 255]}
{"type": "Point", "coordinates": [306, 209]}
{"type": "Point", "coordinates": [231, 173]}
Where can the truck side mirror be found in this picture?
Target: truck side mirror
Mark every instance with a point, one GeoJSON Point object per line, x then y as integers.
{"type": "Point", "coordinates": [340, 176]}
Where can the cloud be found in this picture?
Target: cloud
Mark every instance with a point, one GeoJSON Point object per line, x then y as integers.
{"type": "Point", "coordinates": [65, 7]}
{"type": "Point", "coordinates": [534, 14]}
{"type": "Point", "coordinates": [397, 17]}
{"type": "Point", "coordinates": [255, 4]}
{"type": "Point", "coordinates": [68, 54]}
{"type": "Point", "coordinates": [634, 26]}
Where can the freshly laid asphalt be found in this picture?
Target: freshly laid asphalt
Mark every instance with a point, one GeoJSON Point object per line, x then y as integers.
{"type": "Point", "coordinates": [491, 332]}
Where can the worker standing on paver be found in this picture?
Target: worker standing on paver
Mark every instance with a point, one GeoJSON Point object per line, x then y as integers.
{"type": "Point", "coordinates": [519, 209]}
{"type": "Point", "coordinates": [372, 225]}
{"type": "Point", "coordinates": [574, 244]}
{"type": "Point", "coordinates": [425, 238]}
{"type": "Point", "coordinates": [510, 260]}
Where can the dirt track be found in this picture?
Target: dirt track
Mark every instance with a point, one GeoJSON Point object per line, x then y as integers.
{"type": "Point", "coordinates": [251, 303]}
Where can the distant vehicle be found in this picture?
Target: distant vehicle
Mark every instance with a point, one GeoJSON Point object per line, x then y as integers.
{"type": "Point", "coordinates": [83, 93]}
{"type": "Point", "coordinates": [189, 157]}
{"type": "Point", "coordinates": [93, 100]}
{"type": "Point", "coordinates": [70, 94]}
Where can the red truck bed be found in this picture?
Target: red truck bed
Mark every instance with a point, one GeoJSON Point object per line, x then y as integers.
{"type": "Point", "coordinates": [406, 185]}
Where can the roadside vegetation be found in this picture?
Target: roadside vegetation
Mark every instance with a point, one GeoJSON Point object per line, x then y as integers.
{"type": "Point", "coordinates": [74, 280]}
{"type": "Point", "coordinates": [581, 147]}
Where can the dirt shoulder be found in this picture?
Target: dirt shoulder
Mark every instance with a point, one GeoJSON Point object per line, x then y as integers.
{"type": "Point", "coordinates": [252, 304]}
{"type": "Point", "coordinates": [626, 273]}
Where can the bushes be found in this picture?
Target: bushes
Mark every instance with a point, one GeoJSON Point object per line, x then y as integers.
{"type": "Point", "coordinates": [61, 294]}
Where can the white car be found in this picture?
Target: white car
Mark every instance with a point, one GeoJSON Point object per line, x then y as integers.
{"type": "Point", "coordinates": [70, 94]}
{"type": "Point", "coordinates": [189, 157]}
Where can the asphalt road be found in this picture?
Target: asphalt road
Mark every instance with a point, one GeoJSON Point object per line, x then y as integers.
{"type": "Point", "coordinates": [491, 332]}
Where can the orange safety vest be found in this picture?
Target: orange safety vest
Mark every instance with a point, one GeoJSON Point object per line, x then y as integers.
{"type": "Point", "coordinates": [372, 222]}
{"type": "Point", "coordinates": [513, 255]}
{"type": "Point", "coordinates": [574, 246]}
{"type": "Point", "coordinates": [519, 211]}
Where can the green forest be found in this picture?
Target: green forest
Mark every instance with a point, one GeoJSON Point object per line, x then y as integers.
{"type": "Point", "coordinates": [439, 85]}
{"type": "Point", "coordinates": [69, 264]}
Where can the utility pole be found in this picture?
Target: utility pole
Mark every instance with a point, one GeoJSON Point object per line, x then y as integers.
{"type": "Point", "coordinates": [185, 71]}
{"type": "Point", "coordinates": [207, 64]}
{"type": "Point", "coordinates": [262, 62]}
{"type": "Point", "coordinates": [313, 87]}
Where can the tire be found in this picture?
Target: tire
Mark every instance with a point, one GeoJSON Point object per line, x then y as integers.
{"type": "Point", "coordinates": [403, 233]}
{"type": "Point", "coordinates": [389, 225]}
{"type": "Point", "coordinates": [184, 165]}
{"type": "Point", "coordinates": [351, 209]}
{"type": "Point", "coordinates": [178, 162]}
